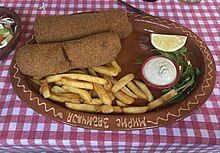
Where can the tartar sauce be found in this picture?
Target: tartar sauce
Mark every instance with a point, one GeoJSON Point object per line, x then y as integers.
{"type": "Point", "coordinates": [160, 71]}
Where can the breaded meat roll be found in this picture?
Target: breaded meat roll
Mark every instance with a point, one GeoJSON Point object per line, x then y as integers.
{"type": "Point", "coordinates": [52, 58]}
{"type": "Point", "coordinates": [68, 27]}
{"type": "Point", "coordinates": [42, 60]}
{"type": "Point", "coordinates": [93, 50]}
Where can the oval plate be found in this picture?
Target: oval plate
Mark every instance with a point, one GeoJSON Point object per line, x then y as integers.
{"type": "Point", "coordinates": [133, 47]}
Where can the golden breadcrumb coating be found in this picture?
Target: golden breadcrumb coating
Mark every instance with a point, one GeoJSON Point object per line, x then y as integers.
{"type": "Point", "coordinates": [53, 58]}
{"type": "Point", "coordinates": [42, 60]}
{"type": "Point", "coordinates": [68, 27]}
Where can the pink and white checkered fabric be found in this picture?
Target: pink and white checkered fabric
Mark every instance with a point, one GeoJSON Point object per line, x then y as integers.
{"type": "Point", "coordinates": [22, 129]}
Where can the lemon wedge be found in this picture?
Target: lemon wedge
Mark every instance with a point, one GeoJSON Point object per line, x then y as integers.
{"type": "Point", "coordinates": [168, 43]}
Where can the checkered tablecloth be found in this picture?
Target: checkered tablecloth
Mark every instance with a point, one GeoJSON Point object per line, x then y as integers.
{"type": "Point", "coordinates": [23, 129]}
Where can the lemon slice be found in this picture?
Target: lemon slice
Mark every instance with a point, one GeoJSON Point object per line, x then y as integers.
{"type": "Point", "coordinates": [168, 43]}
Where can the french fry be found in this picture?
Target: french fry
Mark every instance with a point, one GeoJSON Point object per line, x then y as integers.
{"type": "Point", "coordinates": [135, 110]}
{"type": "Point", "coordinates": [64, 98]}
{"type": "Point", "coordinates": [58, 89]}
{"type": "Point", "coordinates": [92, 72]}
{"type": "Point", "coordinates": [106, 109]}
{"type": "Point", "coordinates": [55, 78]}
{"type": "Point", "coordinates": [111, 96]}
{"type": "Point", "coordinates": [115, 65]}
{"type": "Point", "coordinates": [123, 97]}
{"type": "Point", "coordinates": [76, 83]}
{"type": "Point", "coordinates": [122, 82]}
{"type": "Point", "coordinates": [110, 71]}
{"type": "Point", "coordinates": [83, 93]}
{"type": "Point", "coordinates": [145, 90]}
{"type": "Point", "coordinates": [102, 94]}
{"type": "Point", "coordinates": [44, 89]}
{"type": "Point", "coordinates": [95, 101]}
{"type": "Point", "coordinates": [119, 103]}
{"type": "Point", "coordinates": [82, 77]}
{"type": "Point", "coordinates": [84, 107]}
{"type": "Point", "coordinates": [117, 109]}
{"type": "Point", "coordinates": [137, 91]}
{"type": "Point", "coordinates": [161, 100]}
{"type": "Point", "coordinates": [124, 89]}
{"type": "Point", "coordinates": [70, 95]}
{"type": "Point", "coordinates": [109, 85]}
{"type": "Point", "coordinates": [128, 92]}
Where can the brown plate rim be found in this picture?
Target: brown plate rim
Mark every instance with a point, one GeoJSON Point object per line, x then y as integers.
{"type": "Point", "coordinates": [125, 122]}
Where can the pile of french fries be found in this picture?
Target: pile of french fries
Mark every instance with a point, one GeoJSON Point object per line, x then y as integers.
{"type": "Point", "coordinates": [95, 90]}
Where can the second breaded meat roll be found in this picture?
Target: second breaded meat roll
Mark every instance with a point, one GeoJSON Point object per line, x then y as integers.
{"type": "Point", "coordinates": [93, 50]}
{"type": "Point", "coordinates": [68, 27]}
{"type": "Point", "coordinates": [53, 58]}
